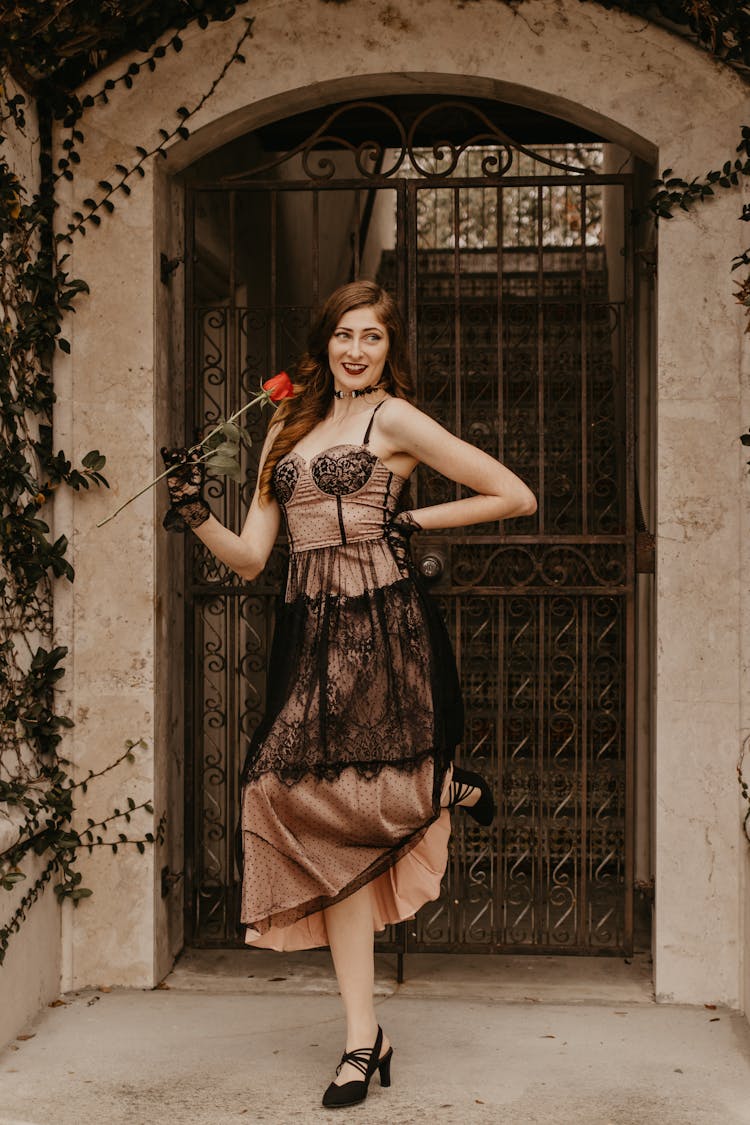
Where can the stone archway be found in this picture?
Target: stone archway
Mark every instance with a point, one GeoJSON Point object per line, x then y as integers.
{"type": "Point", "coordinates": [515, 268]}
{"type": "Point", "coordinates": [649, 92]}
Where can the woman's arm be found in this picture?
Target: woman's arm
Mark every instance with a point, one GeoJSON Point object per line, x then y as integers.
{"type": "Point", "coordinates": [500, 494]}
{"type": "Point", "coordinates": [248, 552]}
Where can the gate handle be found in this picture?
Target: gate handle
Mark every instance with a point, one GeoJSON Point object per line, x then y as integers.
{"type": "Point", "coordinates": [431, 567]}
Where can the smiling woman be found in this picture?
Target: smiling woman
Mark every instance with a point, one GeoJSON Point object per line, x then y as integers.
{"type": "Point", "coordinates": [348, 780]}
{"type": "Point", "coordinates": [357, 352]}
{"type": "Point", "coordinates": [340, 326]}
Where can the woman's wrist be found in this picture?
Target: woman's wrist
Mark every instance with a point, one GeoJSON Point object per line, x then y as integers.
{"type": "Point", "coordinates": [408, 521]}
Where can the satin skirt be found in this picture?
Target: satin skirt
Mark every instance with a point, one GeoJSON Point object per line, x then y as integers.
{"type": "Point", "coordinates": [342, 784]}
{"type": "Point", "coordinates": [310, 845]}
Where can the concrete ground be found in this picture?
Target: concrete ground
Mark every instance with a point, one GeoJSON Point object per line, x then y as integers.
{"type": "Point", "coordinates": [249, 1036]}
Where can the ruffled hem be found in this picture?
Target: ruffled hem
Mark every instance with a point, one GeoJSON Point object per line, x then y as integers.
{"type": "Point", "coordinates": [395, 894]}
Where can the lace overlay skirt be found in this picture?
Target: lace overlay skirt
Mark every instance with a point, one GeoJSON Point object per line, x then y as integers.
{"type": "Point", "coordinates": [342, 783]}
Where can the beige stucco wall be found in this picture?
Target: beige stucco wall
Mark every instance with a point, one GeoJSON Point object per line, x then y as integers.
{"type": "Point", "coordinates": [744, 658]}
{"type": "Point", "coordinates": [30, 973]}
{"type": "Point", "coordinates": [648, 91]}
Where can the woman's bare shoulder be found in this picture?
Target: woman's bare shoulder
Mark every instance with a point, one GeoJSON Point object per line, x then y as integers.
{"type": "Point", "coordinates": [397, 412]}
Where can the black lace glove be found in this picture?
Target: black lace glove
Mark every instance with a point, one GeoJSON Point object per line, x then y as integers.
{"type": "Point", "coordinates": [398, 533]}
{"type": "Point", "coordinates": [185, 483]}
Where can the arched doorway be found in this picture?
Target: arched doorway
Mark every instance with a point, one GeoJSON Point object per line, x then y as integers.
{"type": "Point", "coordinates": [513, 265]}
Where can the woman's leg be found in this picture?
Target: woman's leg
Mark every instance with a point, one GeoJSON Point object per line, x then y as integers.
{"type": "Point", "coordinates": [351, 938]}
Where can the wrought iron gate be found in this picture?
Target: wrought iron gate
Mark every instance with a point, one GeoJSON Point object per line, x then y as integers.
{"type": "Point", "coordinates": [513, 267]}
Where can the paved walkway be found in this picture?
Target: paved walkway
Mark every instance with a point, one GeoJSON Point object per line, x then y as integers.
{"type": "Point", "coordinates": [245, 1036]}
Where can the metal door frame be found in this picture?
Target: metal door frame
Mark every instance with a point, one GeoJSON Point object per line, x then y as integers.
{"type": "Point", "coordinates": [406, 209]}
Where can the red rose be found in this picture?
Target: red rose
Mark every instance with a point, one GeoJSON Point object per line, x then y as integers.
{"type": "Point", "coordinates": [222, 456]}
{"type": "Point", "coordinates": [279, 386]}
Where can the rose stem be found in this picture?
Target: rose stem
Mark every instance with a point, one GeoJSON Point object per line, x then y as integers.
{"type": "Point", "coordinates": [237, 413]}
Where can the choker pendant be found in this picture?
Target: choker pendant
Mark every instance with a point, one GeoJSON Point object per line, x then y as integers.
{"type": "Point", "coordinates": [357, 394]}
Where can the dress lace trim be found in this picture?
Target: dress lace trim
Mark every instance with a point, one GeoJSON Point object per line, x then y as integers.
{"type": "Point", "coordinates": [285, 477]}
{"type": "Point", "coordinates": [343, 474]}
{"type": "Point", "coordinates": [290, 775]}
{"type": "Point", "coordinates": [334, 473]}
{"type": "Point", "coordinates": [351, 683]}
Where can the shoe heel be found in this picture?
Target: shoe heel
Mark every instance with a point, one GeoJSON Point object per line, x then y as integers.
{"type": "Point", "coordinates": [384, 1066]}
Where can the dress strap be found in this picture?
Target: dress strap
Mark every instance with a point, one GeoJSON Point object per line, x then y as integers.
{"type": "Point", "coordinates": [369, 424]}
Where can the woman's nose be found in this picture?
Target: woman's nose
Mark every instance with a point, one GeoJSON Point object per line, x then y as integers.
{"type": "Point", "coordinates": [355, 347]}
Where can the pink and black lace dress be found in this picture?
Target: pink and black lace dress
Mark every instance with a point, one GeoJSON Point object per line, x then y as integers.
{"type": "Point", "coordinates": [341, 785]}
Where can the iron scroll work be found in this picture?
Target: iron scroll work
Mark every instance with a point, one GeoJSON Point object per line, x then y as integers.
{"type": "Point", "coordinates": [404, 145]}
{"type": "Point", "coordinates": [522, 341]}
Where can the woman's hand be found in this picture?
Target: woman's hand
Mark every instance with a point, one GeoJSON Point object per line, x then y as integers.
{"type": "Point", "coordinates": [398, 533]}
{"type": "Point", "coordinates": [246, 553]}
{"type": "Point", "coordinates": [185, 481]}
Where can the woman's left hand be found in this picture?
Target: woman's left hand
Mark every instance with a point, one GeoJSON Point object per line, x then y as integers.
{"type": "Point", "coordinates": [398, 533]}
{"type": "Point", "coordinates": [185, 481]}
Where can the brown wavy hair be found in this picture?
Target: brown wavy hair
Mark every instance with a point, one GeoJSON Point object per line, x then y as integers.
{"type": "Point", "coordinates": [313, 381]}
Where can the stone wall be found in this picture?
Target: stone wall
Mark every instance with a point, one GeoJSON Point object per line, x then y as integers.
{"type": "Point", "coordinates": [643, 89]}
{"type": "Point", "coordinates": [744, 653]}
{"type": "Point", "coordinates": [30, 973]}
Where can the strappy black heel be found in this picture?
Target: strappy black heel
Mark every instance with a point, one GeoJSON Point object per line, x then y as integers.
{"type": "Point", "coordinates": [462, 783]}
{"type": "Point", "coordinates": [366, 1060]}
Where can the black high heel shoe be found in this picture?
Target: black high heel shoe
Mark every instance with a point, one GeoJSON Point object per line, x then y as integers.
{"type": "Point", "coordinates": [367, 1060]}
{"type": "Point", "coordinates": [462, 782]}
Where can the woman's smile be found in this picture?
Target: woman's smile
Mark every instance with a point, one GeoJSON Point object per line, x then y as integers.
{"type": "Point", "coordinates": [358, 350]}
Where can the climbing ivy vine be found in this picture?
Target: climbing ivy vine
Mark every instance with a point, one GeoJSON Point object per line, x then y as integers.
{"type": "Point", "coordinates": [37, 790]}
{"type": "Point", "coordinates": [674, 193]}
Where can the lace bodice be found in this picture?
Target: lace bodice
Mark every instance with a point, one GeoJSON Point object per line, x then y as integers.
{"type": "Point", "coordinates": [344, 494]}
{"type": "Point", "coordinates": [361, 673]}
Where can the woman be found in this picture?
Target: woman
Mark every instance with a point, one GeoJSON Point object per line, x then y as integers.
{"type": "Point", "coordinates": [348, 780]}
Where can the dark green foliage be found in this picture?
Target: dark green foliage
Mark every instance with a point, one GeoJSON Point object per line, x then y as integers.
{"type": "Point", "coordinates": [47, 809]}
{"type": "Point", "coordinates": [56, 54]}
{"type": "Point", "coordinates": [721, 27]}
{"type": "Point", "coordinates": [50, 57]}
{"type": "Point", "coordinates": [674, 192]}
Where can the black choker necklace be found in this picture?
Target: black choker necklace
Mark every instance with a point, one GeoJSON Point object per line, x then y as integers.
{"type": "Point", "coordinates": [357, 394]}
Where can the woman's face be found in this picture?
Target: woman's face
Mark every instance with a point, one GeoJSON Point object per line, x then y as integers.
{"type": "Point", "coordinates": [358, 350]}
